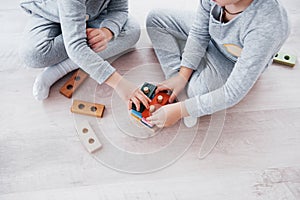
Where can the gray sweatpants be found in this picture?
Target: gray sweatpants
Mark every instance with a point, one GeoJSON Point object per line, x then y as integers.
{"type": "Point", "coordinates": [43, 44]}
{"type": "Point", "coordinates": [168, 31]}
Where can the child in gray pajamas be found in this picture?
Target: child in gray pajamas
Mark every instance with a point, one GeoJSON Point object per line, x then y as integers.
{"type": "Point", "coordinates": [63, 35]}
{"type": "Point", "coordinates": [219, 56]}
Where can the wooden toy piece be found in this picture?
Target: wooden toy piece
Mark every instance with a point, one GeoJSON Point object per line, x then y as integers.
{"type": "Point", "coordinates": [137, 115]}
{"type": "Point", "coordinates": [88, 136]}
{"type": "Point", "coordinates": [285, 59]}
{"type": "Point", "coordinates": [165, 100]}
{"type": "Point", "coordinates": [152, 108]}
{"type": "Point", "coordinates": [147, 123]}
{"type": "Point", "coordinates": [87, 108]}
{"type": "Point", "coordinates": [73, 83]}
{"type": "Point", "coordinates": [149, 91]}
{"type": "Point", "coordinates": [160, 98]}
{"type": "Point", "coordinates": [146, 90]}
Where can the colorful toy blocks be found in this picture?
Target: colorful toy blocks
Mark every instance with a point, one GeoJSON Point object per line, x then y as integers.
{"type": "Point", "coordinates": [158, 100]}
{"type": "Point", "coordinates": [149, 90]}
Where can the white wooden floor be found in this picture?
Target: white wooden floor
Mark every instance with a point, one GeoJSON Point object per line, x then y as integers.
{"type": "Point", "coordinates": [41, 156]}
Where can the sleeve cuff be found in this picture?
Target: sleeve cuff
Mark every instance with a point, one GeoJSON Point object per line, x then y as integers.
{"type": "Point", "coordinates": [186, 63]}
{"type": "Point", "coordinates": [193, 108]}
{"type": "Point", "coordinates": [112, 26]}
{"type": "Point", "coordinates": [102, 75]}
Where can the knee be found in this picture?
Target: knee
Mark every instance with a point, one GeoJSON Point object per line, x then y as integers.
{"type": "Point", "coordinates": [155, 22]}
{"type": "Point", "coordinates": [155, 19]}
{"type": "Point", "coordinates": [31, 55]}
{"type": "Point", "coordinates": [132, 31]}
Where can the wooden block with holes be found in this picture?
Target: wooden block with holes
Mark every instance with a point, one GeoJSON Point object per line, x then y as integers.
{"type": "Point", "coordinates": [285, 59]}
{"type": "Point", "coordinates": [73, 83]}
{"type": "Point", "coordinates": [159, 100]}
{"type": "Point", "coordinates": [88, 136]}
{"type": "Point", "coordinates": [149, 90]}
{"type": "Point", "coordinates": [87, 108]}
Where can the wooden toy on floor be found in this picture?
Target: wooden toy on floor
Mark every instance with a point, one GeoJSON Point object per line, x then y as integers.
{"type": "Point", "coordinates": [149, 90]}
{"type": "Point", "coordinates": [280, 57]}
{"type": "Point", "coordinates": [285, 59]}
{"type": "Point", "coordinates": [87, 108]}
{"type": "Point", "coordinates": [158, 100]}
{"type": "Point", "coordinates": [73, 83]}
{"type": "Point", "coordinates": [88, 136]}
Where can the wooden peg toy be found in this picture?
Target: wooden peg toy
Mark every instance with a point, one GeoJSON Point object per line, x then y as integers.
{"type": "Point", "coordinates": [88, 137]}
{"type": "Point", "coordinates": [146, 90]}
{"type": "Point", "coordinates": [87, 108]}
{"type": "Point", "coordinates": [160, 98]}
{"type": "Point", "coordinates": [73, 83]}
{"type": "Point", "coordinates": [152, 108]}
{"type": "Point", "coordinates": [149, 90]}
{"type": "Point", "coordinates": [154, 103]}
{"type": "Point", "coordinates": [285, 59]}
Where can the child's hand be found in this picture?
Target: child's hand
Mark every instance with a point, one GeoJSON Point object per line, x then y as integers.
{"type": "Point", "coordinates": [132, 94]}
{"type": "Point", "coordinates": [168, 115]}
{"type": "Point", "coordinates": [98, 38]}
{"type": "Point", "coordinates": [176, 84]}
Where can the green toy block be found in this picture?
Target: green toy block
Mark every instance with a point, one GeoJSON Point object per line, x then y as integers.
{"type": "Point", "coordinates": [285, 59]}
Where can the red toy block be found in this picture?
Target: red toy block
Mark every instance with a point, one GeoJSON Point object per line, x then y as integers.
{"type": "Point", "coordinates": [155, 102]}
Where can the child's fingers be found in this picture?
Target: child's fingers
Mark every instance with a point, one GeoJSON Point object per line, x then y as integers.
{"type": "Point", "coordinates": [97, 39]}
{"type": "Point", "coordinates": [94, 32]}
{"type": "Point", "coordinates": [99, 46]}
{"type": "Point", "coordinates": [129, 105]}
{"type": "Point", "coordinates": [160, 88]}
{"type": "Point", "coordinates": [172, 97]}
{"type": "Point", "coordinates": [153, 119]}
{"type": "Point", "coordinates": [136, 103]}
{"type": "Point", "coordinates": [88, 30]}
{"type": "Point", "coordinates": [143, 99]}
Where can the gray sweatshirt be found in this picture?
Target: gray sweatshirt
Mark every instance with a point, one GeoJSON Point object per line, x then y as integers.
{"type": "Point", "coordinates": [72, 16]}
{"type": "Point", "coordinates": [260, 31]}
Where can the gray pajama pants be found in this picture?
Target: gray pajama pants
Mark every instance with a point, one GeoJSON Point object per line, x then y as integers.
{"type": "Point", "coordinates": [168, 31]}
{"type": "Point", "coordinates": [43, 44]}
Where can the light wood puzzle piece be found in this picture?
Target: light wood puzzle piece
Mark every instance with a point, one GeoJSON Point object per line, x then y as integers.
{"type": "Point", "coordinates": [73, 83]}
{"type": "Point", "coordinates": [87, 108]}
{"type": "Point", "coordinates": [285, 59]}
{"type": "Point", "coordinates": [88, 136]}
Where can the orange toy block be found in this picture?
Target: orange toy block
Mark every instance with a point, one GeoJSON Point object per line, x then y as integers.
{"type": "Point", "coordinates": [73, 83]}
{"type": "Point", "coordinates": [157, 102]}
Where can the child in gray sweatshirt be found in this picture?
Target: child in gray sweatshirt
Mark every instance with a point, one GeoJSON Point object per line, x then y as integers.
{"type": "Point", "coordinates": [219, 57]}
{"type": "Point", "coordinates": [63, 35]}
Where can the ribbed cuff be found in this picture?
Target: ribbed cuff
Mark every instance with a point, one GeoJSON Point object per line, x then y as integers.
{"type": "Point", "coordinates": [112, 26]}
{"type": "Point", "coordinates": [193, 108]}
{"type": "Point", "coordinates": [187, 64]}
{"type": "Point", "coordinates": [106, 71]}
